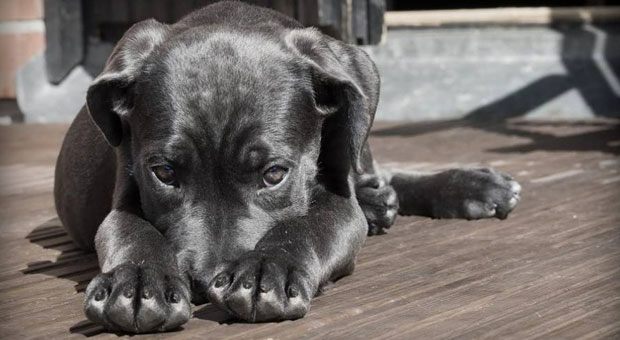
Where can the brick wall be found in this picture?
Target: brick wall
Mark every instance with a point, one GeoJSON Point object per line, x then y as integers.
{"type": "Point", "coordinates": [22, 36]}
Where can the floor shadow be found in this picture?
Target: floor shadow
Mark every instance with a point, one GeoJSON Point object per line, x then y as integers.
{"type": "Point", "coordinates": [591, 62]}
{"type": "Point", "coordinates": [591, 59]}
{"type": "Point", "coordinates": [605, 140]}
{"type": "Point", "coordinates": [522, 101]}
{"type": "Point", "coordinates": [602, 136]}
{"type": "Point", "coordinates": [80, 267]}
{"type": "Point", "coordinates": [71, 264]}
{"type": "Point", "coordinates": [417, 128]}
{"type": "Point", "coordinates": [208, 312]}
{"type": "Point", "coordinates": [87, 328]}
{"type": "Point", "coordinates": [212, 313]}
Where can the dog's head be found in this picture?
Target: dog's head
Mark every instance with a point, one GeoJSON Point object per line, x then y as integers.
{"type": "Point", "coordinates": [225, 134]}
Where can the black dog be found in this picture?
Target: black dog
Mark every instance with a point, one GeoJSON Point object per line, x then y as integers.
{"type": "Point", "coordinates": [224, 158]}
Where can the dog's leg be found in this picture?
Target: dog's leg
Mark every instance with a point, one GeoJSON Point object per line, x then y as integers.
{"type": "Point", "coordinates": [457, 193]}
{"type": "Point", "coordinates": [375, 195]}
{"type": "Point", "coordinates": [140, 288]}
{"type": "Point", "coordinates": [292, 261]}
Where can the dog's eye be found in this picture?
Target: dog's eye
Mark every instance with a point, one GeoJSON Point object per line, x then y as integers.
{"type": "Point", "coordinates": [164, 173]}
{"type": "Point", "coordinates": [274, 175]}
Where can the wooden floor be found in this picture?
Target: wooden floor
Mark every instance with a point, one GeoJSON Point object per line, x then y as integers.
{"type": "Point", "coordinates": [551, 271]}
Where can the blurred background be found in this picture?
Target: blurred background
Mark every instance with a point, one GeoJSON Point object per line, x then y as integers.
{"type": "Point", "coordinates": [438, 60]}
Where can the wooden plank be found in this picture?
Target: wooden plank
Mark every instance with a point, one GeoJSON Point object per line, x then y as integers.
{"type": "Point", "coordinates": [550, 271]}
{"type": "Point", "coordinates": [179, 9]}
{"type": "Point", "coordinates": [360, 17]}
{"type": "Point", "coordinates": [307, 12]}
{"type": "Point", "coordinates": [376, 24]}
{"type": "Point", "coordinates": [512, 16]}
{"type": "Point", "coordinates": [64, 37]}
{"type": "Point", "coordinates": [287, 7]}
{"type": "Point", "coordinates": [145, 9]}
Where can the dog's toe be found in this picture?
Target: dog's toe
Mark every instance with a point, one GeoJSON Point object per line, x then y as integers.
{"type": "Point", "coordinates": [379, 204]}
{"type": "Point", "coordinates": [137, 299]}
{"type": "Point", "coordinates": [263, 288]}
{"type": "Point", "coordinates": [474, 209]}
{"type": "Point", "coordinates": [515, 187]}
{"type": "Point", "coordinates": [477, 193]}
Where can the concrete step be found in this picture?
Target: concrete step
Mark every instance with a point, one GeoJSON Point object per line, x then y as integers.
{"type": "Point", "coordinates": [499, 71]}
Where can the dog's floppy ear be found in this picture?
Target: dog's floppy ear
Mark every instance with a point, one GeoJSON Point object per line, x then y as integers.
{"type": "Point", "coordinates": [345, 86]}
{"type": "Point", "coordinates": [110, 97]}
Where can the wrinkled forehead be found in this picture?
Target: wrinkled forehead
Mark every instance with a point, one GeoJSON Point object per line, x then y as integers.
{"type": "Point", "coordinates": [227, 84]}
{"type": "Point", "coordinates": [227, 69]}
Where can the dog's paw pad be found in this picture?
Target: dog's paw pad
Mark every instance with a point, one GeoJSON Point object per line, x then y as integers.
{"type": "Point", "coordinates": [476, 193]}
{"type": "Point", "coordinates": [476, 209]}
{"type": "Point", "coordinates": [495, 193]}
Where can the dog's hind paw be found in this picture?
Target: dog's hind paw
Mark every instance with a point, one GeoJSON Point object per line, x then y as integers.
{"type": "Point", "coordinates": [262, 287]}
{"type": "Point", "coordinates": [475, 193]}
{"type": "Point", "coordinates": [138, 299]}
{"type": "Point", "coordinates": [378, 201]}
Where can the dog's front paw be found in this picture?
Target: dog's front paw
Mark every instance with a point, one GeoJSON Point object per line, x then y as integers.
{"type": "Point", "coordinates": [262, 287]}
{"type": "Point", "coordinates": [475, 194]}
{"type": "Point", "coordinates": [137, 299]}
{"type": "Point", "coordinates": [378, 201]}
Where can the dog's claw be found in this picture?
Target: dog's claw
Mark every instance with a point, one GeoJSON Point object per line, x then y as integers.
{"type": "Point", "coordinates": [476, 193]}
{"type": "Point", "coordinates": [263, 288]}
{"type": "Point", "coordinates": [100, 295]}
{"type": "Point", "coordinates": [110, 300]}
{"type": "Point", "coordinates": [379, 203]}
